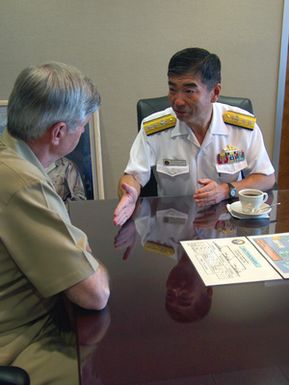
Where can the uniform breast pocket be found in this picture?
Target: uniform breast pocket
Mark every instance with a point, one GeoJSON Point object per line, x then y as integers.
{"type": "Point", "coordinates": [172, 170]}
{"type": "Point", "coordinates": [230, 172]}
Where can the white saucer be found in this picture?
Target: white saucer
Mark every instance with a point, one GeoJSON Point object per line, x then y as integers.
{"type": "Point", "coordinates": [236, 207]}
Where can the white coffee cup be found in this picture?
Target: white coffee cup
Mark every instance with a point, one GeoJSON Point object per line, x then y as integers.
{"type": "Point", "coordinates": [251, 200]}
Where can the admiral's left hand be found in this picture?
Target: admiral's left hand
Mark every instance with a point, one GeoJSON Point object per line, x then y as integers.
{"type": "Point", "coordinates": [210, 193]}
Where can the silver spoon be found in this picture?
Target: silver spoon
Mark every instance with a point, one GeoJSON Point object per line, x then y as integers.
{"type": "Point", "coordinates": [270, 206]}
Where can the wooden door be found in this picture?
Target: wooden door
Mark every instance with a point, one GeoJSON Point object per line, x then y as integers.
{"type": "Point", "coordinates": [283, 175]}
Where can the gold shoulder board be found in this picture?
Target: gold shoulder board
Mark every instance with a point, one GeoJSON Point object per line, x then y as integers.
{"type": "Point", "coordinates": [240, 120]}
{"type": "Point", "coordinates": [159, 124]}
{"type": "Point", "coordinates": [159, 249]}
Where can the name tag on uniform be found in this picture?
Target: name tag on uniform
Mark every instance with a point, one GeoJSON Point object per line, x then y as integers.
{"type": "Point", "coordinates": [175, 162]}
{"type": "Point", "coordinates": [173, 167]}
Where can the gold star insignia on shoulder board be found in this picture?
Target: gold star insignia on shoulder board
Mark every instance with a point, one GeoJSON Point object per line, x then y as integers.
{"type": "Point", "coordinates": [159, 124]}
{"type": "Point", "coordinates": [239, 119]}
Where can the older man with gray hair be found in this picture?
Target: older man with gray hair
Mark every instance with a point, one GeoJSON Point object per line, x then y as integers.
{"type": "Point", "coordinates": [42, 255]}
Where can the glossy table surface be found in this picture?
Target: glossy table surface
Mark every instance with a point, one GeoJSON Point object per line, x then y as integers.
{"type": "Point", "coordinates": [162, 326]}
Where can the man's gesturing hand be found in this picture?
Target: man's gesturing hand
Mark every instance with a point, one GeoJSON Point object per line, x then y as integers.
{"type": "Point", "coordinates": [126, 205]}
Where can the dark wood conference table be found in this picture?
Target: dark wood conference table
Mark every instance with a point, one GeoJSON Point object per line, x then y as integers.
{"type": "Point", "coordinates": [162, 326]}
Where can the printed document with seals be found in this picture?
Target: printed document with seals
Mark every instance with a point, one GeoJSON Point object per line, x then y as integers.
{"type": "Point", "coordinates": [229, 260]}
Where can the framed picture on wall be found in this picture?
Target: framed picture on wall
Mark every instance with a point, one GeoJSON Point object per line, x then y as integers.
{"type": "Point", "coordinates": [88, 158]}
{"type": "Point", "coordinates": [87, 155]}
{"type": "Point", "coordinates": [96, 150]}
{"type": "Point", "coordinates": [3, 114]}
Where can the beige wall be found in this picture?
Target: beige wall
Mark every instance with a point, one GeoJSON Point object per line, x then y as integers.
{"type": "Point", "coordinates": [125, 45]}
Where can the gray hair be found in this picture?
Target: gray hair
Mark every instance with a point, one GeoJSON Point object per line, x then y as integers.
{"type": "Point", "coordinates": [46, 94]}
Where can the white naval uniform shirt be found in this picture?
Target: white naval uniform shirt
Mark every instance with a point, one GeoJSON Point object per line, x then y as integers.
{"type": "Point", "coordinates": [179, 160]}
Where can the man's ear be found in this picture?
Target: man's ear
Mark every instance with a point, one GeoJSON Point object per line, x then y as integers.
{"type": "Point", "coordinates": [57, 132]}
{"type": "Point", "coordinates": [216, 91]}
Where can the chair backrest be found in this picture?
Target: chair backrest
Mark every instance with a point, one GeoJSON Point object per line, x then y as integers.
{"type": "Point", "coordinates": [146, 107]}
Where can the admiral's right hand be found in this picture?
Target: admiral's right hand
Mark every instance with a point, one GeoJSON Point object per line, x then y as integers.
{"type": "Point", "coordinates": [126, 205]}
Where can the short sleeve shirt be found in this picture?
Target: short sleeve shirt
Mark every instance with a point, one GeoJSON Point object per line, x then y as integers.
{"type": "Point", "coordinates": [66, 179]}
{"type": "Point", "coordinates": [41, 252]}
{"type": "Point", "coordinates": [179, 160]}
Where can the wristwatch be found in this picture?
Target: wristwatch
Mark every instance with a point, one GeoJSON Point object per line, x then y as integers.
{"type": "Point", "coordinates": [232, 191]}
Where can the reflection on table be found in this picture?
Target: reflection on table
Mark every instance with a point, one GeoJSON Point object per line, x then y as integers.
{"type": "Point", "coordinates": [92, 327]}
{"type": "Point", "coordinates": [187, 298]}
{"type": "Point", "coordinates": [162, 325]}
{"type": "Point", "coordinates": [46, 348]}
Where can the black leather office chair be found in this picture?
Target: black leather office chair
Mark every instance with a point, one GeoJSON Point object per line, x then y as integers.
{"type": "Point", "coordinates": [148, 106]}
{"type": "Point", "coordinates": [12, 375]}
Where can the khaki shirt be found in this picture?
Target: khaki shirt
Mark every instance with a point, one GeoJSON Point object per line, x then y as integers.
{"type": "Point", "coordinates": [67, 181]}
{"type": "Point", "coordinates": [41, 252]}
